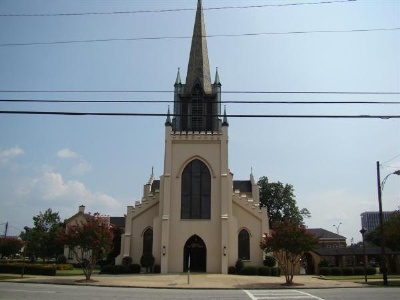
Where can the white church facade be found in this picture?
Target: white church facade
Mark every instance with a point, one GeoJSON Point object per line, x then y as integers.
{"type": "Point", "coordinates": [196, 209]}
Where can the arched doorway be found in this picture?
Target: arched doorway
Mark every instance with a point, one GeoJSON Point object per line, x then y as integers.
{"type": "Point", "coordinates": [196, 248]}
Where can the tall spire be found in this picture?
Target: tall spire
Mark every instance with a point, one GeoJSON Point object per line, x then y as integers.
{"type": "Point", "coordinates": [198, 67]}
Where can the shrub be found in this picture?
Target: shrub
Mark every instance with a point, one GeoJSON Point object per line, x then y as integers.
{"type": "Point", "coordinates": [336, 271]}
{"type": "Point", "coordinates": [61, 259]}
{"type": "Point", "coordinates": [323, 263]}
{"type": "Point", "coordinates": [348, 271]}
{"type": "Point", "coordinates": [157, 269]}
{"type": "Point", "coordinates": [371, 271]}
{"type": "Point", "coordinates": [325, 271]}
{"type": "Point", "coordinates": [108, 269]}
{"type": "Point", "coordinates": [269, 261]}
{"type": "Point", "coordinates": [239, 265]}
{"type": "Point", "coordinates": [147, 261]}
{"type": "Point", "coordinates": [135, 268]}
{"type": "Point", "coordinates": [65, 267]}
{"type": "Point", "coordinates": [249, 270]}
{"type": "Point", "coordinates": [127, 261]}
{"type": "Point", "coordinates": [231, 270]}
{"type": "Point", "coordinates": [47, 270]}
{"type": "Point", "coordinates": [264, 271]}
{"type": "Point", "coordinates": [275, 271]}
{"type": "Point", "coordinates": [359, 271]}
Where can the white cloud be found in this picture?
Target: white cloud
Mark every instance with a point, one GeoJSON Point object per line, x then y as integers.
{"type": "Point", "coordinates": [82, 167]}
{"type": "Point", "coordinates": [66, 153]}
{"type": "Point", "coordinates": [8, 154]}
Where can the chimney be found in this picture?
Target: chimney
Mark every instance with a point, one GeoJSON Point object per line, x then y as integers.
{"type": "Point", "coordinates": [82, 209]}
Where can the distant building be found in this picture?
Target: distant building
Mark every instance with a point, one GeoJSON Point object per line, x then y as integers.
{"type": "Point", "coordinates": [370, 219]}
{"type": "Point", "coordinates": [80, 218]}
{"type": "Point", "coordinates": [328, 239]}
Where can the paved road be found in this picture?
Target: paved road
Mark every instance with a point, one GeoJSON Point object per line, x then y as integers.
{"type": "Point", "coordinates": [18, 291]}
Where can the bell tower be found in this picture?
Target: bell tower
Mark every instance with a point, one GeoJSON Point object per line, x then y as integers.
{"type": "Point", "coordinates": [197, 103]}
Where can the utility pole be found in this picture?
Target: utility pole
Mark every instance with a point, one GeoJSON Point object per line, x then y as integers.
{"type": "Point", "coordinates": [5, 231]}
{"type": "Point", "coordinates": [382, 231]}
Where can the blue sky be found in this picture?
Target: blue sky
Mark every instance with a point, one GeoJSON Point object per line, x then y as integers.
{"type": "Point", "coordinates": [61, 162]}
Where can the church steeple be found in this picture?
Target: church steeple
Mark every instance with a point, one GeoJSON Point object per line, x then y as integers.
{"type": "Point", "coordinates": [198, 67]}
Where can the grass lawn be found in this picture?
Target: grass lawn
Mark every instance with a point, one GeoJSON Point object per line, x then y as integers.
{"type": "Point", "coordinates": [361, 277]}
{"type": "Point", "coordinates": [75, 272]}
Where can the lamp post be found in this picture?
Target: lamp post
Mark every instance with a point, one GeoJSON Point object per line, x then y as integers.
{"type": "Point", "coordinates": [383, 241]}
{"type": "Point", "coordinates": [337, 227]}
{"type": "Point", "coordinates": [362, 231]}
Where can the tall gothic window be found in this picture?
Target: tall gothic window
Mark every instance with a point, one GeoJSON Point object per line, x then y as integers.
{"type": "Point", "coordinates": [244, 245]}
{"type": "Point", "coordinates": [148, 241]}
{"type": "Point", "coordinates": [196, 191]}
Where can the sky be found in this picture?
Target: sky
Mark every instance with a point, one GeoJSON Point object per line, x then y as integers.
{"type": "Point", "coordinates": [102, 162]}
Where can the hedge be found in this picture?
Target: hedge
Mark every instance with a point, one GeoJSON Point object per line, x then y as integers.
{"type": "Point", "coordinates": [336, 271]}
{"type": "Point", "coordinates": [264, 271]}
{"type": "Point", "coordinates": [347, 271]}
{"type": "Point", "coordinates": [231, 270]}
{"type": "Point", "coordinates": [275, 272]}
{"type": "Point", "coordinates": [64, 267]}
{"type": "Point", "coordinates": [47, 270]}
{"type": "Point", "coordinates": [325, 271]}
{"type": "Point", "coordinates": [249, 270]}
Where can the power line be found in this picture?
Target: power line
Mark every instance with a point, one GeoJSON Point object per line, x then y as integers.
{"type": "Point", "coordinates": [190, 37]}
{"type": "Point", "coordinates": [64, 113]}
{"type": "Point", "coordinates": [226, 102]}
{"type": "Point", "coordinates": [222, 92]}
{"type": "Point", "coordinates": [172, 10]}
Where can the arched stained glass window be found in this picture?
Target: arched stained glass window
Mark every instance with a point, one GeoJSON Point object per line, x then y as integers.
{"type": "Point", "coordinates": [196, 191]}
{"type": "Point", "coordinates": [244, 245]}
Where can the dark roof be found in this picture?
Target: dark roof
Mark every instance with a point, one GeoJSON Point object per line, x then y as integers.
{"type": "Point", "coordinates": [118, 221]}
{"type": "Point", "coordinates": [155, 185]}
{"type": "Point", "coordinates": [243, 186]}
{"type": "Point", "coordinates": [351, 251]}
{"type": "Point", "coordinates": [321, 233]}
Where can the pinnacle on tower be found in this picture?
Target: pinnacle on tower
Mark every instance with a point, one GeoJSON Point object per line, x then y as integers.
{"type": "Point", "coordinates": [198, 67]}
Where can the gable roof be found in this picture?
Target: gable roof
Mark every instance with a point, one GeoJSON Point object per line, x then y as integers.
{"type": "Point", "coordinates": [323, 234]}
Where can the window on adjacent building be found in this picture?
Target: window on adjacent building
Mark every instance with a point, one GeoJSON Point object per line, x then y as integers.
{"type": "Point", "coordinates": [148, 241]}
{"type": "Point", "coordinates": [196, 191]}
{"type": "Point", "coordinates": [71, 253]}
{"type": "Point", "coordinates": [244, 244]}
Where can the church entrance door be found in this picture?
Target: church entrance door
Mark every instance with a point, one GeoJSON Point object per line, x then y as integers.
{"type": "Point", "coordinates": [195, 248]}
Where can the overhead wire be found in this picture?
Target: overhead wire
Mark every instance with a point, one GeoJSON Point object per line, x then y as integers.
{"type": "Point", "coordinates": [65, 113]}
{"type": "Point", "coordinates": [222, 92]}
{"type": "Point", "coordinates": [190, 37]}
{"type": "Point", "coordinates": [173, 10]}
{"type": "Point", "coordinates": [225, 101]}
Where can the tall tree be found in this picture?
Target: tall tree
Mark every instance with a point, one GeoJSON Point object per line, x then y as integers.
{"type": "Point", "coordinates": [90, 240]}
{"type": "Point", "coordinates": [391, 231]}
{"type": "Point", "coordinates": [43, 237]}
{"type": "Point", "coordinates": [288, 242]}
{"type": "Point", "coordinates": [280, 202]}
{"type": "Point", "coordinates": [10, 246]}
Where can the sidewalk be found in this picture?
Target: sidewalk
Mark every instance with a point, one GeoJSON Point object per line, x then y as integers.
{"type": "Point", "coordinates": [197, 281]}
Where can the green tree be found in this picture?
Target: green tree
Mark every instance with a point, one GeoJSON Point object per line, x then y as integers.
{"type": "Point", "coordinates": [10, 246]}
{"type": "Point", "coordinates": [391, 231]}
{"type": "Point", "coordinates": [43, 241]}
{"type": "Point", "coordinates": [280, 202]}
{"type": "Point", "coordinates": [288, 242]}
{"type": "Point", "coordinates": [90, 240]}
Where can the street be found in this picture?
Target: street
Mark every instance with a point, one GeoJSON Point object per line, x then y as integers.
{"type": "Point", "coordinates": [19, 291]}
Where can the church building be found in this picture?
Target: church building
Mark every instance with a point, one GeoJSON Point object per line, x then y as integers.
{"type": "Point", "coordinates": [196, 215]}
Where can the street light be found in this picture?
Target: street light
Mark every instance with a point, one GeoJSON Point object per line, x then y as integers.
{"type": "Point", "coordinates": [337, 227]}
{"type": "Point", "coordinates": [362, 231]}
{"type": "Point", "coordinates": [383, 242]}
